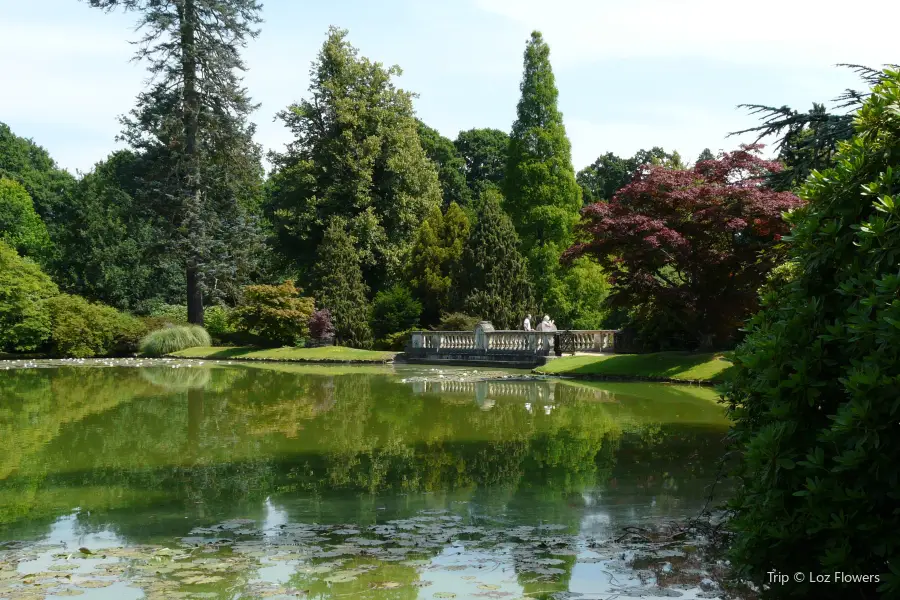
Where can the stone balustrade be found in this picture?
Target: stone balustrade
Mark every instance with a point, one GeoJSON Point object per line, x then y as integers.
{"type": "Point", "coordinates": [485, 343]}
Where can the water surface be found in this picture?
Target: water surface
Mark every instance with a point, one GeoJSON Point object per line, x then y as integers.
{"type": "Point", "coordinates": [230, 480]}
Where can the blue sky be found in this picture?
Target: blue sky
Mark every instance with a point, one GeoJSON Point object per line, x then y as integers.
{"type": "Point", "coordinates": [631, 73]}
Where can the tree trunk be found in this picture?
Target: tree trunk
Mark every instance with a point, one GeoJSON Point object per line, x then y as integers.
{"type": "Point", "coordinates": [194, 296]}
{"type": "Point", "coordinates": [192, 205]}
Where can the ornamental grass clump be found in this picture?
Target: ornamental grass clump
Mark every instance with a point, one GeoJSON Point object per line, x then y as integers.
{"type": "Point", "coordinates": [172, 339]}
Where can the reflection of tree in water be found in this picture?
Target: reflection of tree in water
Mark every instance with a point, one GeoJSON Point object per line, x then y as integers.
{"type": "Point", "coordinates": [219, 450]}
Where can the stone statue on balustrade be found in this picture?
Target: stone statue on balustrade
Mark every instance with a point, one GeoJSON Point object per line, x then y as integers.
{"type": "Point", "coordinates": [546, 324]}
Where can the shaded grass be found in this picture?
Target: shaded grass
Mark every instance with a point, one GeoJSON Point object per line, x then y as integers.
{"type": "Point", "coordinates": [323, 354]}
{"type": "Point", "coordinates": [669, 366]}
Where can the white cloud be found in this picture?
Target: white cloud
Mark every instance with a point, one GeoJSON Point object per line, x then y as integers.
{"type": "Point", "coordinates": [777, 32]}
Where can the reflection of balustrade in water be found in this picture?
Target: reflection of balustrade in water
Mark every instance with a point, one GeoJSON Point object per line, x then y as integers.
{"type": "Point", "coordinates": [536, 392]}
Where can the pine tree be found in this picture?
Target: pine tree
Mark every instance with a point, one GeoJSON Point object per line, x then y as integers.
{"type": "Point", "coordinates": [542, 196]}
{"type": "Point", "coordinates": [496, 274]}
{"type": "Point", "coordinates": [434, 261]}
{"type": "Point", "coordinates": [192, 125]}
{"type": "Point", "coordinates": [706, 155]}
{"type": "Point", "coordinates": [340, 287]}
{"type": "Point", "coordinates": [356, 154]}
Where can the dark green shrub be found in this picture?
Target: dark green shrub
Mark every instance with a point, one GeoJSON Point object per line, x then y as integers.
{"type": "Point", "coordinates": [24, 320]}
{"type": "Point", "coordinates": [81, 329]}
{"type": "Point", "coordinates": [394, 310]}
{"type": "Point", "coordinates": [394, 341]}
{"type": "Point", "coordinates": [815, 393]}
{"type": "Point", "coordinates": [276, 313]}
{"type": "Point", "coordinates": [172, 339]}
{"type": "Point", "coordinates": [457, 322]}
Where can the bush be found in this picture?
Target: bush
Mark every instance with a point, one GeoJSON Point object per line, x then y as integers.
{"type": "Point", "coordinates": [276, 313]}
{"type": "Point", "coordinates": [24, 320]}
{"type": "Point", "coordinates": [218, 320]}
{"type": "Point", "coordinates": [394, 310]}
{"type": "Point", "coordinates": [320, 325]}
{"type": "Point", "coordinates": [394, 341]}
{"type": "Point", "coordinates": [81, 329]}
{"type": "Point", "coordinates": [174, 314]}
{"type": "Point", "coordinates": [814, 395]}
{"type": "Point", "coordinates": [172, 339]}
{"type": "Point", "coordinates": [457, 322]}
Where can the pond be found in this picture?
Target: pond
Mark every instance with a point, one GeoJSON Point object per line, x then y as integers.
{"type": "Point", "coordinates": [176, 479]}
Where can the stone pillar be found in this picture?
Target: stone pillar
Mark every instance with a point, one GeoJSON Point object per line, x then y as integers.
{"type": "Point", "coordinates": [481, 337]}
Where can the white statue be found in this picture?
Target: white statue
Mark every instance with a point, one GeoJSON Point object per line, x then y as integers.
{"type": "Point", "coordinates": [527, 324]}
{"type": "Point", "coordinates": [546, 324]}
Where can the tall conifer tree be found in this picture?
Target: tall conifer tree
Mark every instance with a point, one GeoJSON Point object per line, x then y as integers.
{"type": "Point", "coordinates": [496, 279]}
{"type": "Point", "coordinates": [340, 287]}
{"type": "Point", "coordinates": [542, 196]}
{"type": "Point", "coordinates": [192, 124]}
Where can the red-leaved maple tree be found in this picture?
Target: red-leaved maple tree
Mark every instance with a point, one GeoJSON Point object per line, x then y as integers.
{"type": "Point", "coordinates": [692, 243]}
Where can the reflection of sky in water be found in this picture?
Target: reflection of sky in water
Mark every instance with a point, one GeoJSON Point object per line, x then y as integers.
{"type": "Point", "coordinates": [149, 455]}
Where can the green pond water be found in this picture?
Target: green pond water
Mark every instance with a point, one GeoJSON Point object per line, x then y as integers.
{"type": "Point", "coordinates": [176, 479]}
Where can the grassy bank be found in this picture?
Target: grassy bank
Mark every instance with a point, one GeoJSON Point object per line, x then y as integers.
{"type": "Point", "coordinates": [326, 354]}
{"type": "Point", "coordinates": [658, 366]}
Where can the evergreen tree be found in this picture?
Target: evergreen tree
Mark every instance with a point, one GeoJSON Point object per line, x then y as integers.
{"type": "Point", "coordinates": [451, 168]}
{"type": "Point", "coordinates": [496, 275]}
{"type": "Point", "coordinates": [484, 152]}
{"type": "Point", "coordinates": [542, 196]}
{"type": "Point", "coordinates": [340, 287]}
{"type": "Point", "coordinates": [192, 125]}
{"type": "Point", "coordinates": [706, 155]}
{"type": "Point", "coordinates": [356, 154]}
{"type": "Point", "coordinates": [433, 268]}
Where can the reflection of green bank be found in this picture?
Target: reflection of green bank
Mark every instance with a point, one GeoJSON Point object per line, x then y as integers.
{"type": "Point", "coordinates": [143, 449]}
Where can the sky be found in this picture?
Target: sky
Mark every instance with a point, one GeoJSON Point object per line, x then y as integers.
{"type": "Point", "coordinates": [631, 74]}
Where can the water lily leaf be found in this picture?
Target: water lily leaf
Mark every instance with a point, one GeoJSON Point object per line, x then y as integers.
{"type": "Point", "coordinates": [63, 567]}
{"type": "Point", "coordinates": [444, 595]}
{"type": "Point", "coordinates": [488, 586]}
{"type": "Point", "coordinates": [85, 551]}
{"type": "Point", "coordinates": [468, 577]}
{"type": "Point", "coordinates": [340, 578]}
{"type": "Point", "coordinates": [94, 583]}
{"type": "Point", "coordinates": [69, 592]}
{"type": "Point", "coordinates": [202, 579]}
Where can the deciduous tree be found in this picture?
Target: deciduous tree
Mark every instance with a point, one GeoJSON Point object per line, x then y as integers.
{"type": "Point", "coordinates": [695, 242]}
{"type": "Point", "coordinates": [356, 154]}
{"type": "Point", "coordinates": [20, 225]}
{"type": "Point", "coordinates": [484, 152]}
{"type": "Point", "coordinates": [451, 168]}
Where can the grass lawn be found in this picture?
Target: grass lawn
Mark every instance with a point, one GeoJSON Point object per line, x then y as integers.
{"type": "Point", "coordinates": [323, 354]}
{"type": "Point", "coordinates": [677, 366]}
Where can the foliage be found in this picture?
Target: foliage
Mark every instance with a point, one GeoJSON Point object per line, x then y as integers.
{"type": "Point", "coordinates": [320, 325]}
{"type": "Point", "coordinates": [21, 227]}
{"type": "Point", "coordinates": [484, 153]}
{"type": "Point", "coordinates": [807, 141]}
{"type": "Point", "coordinates": [451, 168]}
{"type": "Point", "coordinates": [172, 339]}
{"type": "Point", "coordinates": [541, 194]}
{"type": "Point", "coordinates": [191, 125]}
{"type": "Point", "coordinates": [609, 173]}
{"type": "Point", "coordinates": [218, 320]}
{"type": "Point", "coordinates": [340, 287]}
{"type": "Point", "coordinates": [496, 282]}
{"type": "Point", "coordinates": [457, 322]}
{"type": "Point", "coordinates": [175, 314]}
{"type": "Point", "coordinates": [393, 310]}
{"type": "Point", "coordinates": [356, 154]}
{"type": "Point", "coordinates": [30, 165]}
{"type": "Point", "coordinates": [696, 243]}
{"type": "Point", "coordinates": [585, 289]}
{"type": "Point", "coordinates": [396, 341]}
{"type": "Point", "coordinates": [815, 394]}
{"type": "Point", "coordinates": [434, 262]}
{"type": "Point", "coordinates": [24, 320]}
{"type": "Point", "coordinates": [706, 154]}
{"type": "Point", "coordinates": [117, 248]}
{"type": "Point", "coordinates": [81, 329]}
{"type": "Point", "coordinates": [277, 313]}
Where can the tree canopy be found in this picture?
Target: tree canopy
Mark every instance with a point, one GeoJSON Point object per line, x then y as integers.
{"type": "Point", "coordinates": [356, 154]}
{"type": "Point", "coordinates": [693, 242]}
{"type": "Point", "coordinates": [484, 152]}
{"type": "Point", "coordinates": [20, 225]}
